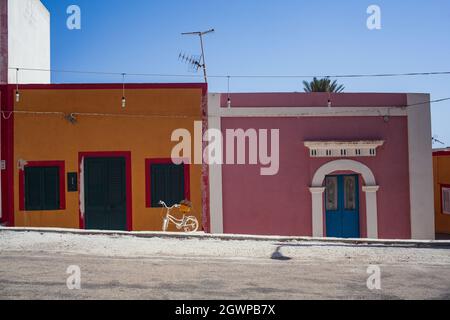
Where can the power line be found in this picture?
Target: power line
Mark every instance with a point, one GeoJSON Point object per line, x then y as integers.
{"type": "Point", "coordinates": [7, 114]}
{"type": "Point", "coordinates": [428, 102]}
{"type": "Point", "coordinates": [334, 111]}
{"type": "Point", "coordinates": [379, 75]}
{"type": "Point", "coordinates": [345, 76]}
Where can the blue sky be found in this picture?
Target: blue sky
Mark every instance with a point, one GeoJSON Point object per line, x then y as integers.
{"type": "Point", "coordinates": [261, 37]}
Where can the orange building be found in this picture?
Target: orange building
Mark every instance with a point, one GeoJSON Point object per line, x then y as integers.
{"type": "Point", "coordinates": [441, 164]}
{"type": "Point", "coordinates": [74, 157]}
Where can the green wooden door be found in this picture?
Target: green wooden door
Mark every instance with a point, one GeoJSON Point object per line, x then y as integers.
{"type": "Point", "coordinates": [105, 193]}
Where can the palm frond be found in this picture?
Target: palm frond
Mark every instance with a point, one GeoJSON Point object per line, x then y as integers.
{"type": "Point", "coordinates": [322, 85]}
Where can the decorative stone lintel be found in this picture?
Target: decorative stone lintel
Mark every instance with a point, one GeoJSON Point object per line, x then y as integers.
{"type": "Point", "coordinates": [343, 149]}
{"type": "Point", "coordinates": [370, 188]}
{"type": "Point", "coordinates": [317, 190]}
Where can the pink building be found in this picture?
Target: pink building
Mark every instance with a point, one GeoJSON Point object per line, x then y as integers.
{"type": "Point", "coordinates": [361, 168]}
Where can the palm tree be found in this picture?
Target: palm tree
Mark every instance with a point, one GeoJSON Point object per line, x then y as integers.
{"type": "Point", "coordinates": [323, 85]}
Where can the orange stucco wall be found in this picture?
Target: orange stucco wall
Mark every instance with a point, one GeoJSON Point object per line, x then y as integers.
{"type": "Point", "coordinates": [441, 164]}
{"type": "Point", "coordinates": [40, 137]}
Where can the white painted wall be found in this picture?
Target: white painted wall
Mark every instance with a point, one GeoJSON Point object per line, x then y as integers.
{"type": "Point", "coordinates": [28, 40]}
{"type": "Point", "coordinates": [215, 171]}
{"type": "Point", "coordinates": [420, 167]}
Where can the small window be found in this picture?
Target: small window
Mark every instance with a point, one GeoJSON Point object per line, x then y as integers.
{"type": "Point", "coordinates": [446, 200]}
{"type": "Point", "coordinates": [331, 194]}
{"type": "Point", "coordinates": [167, 182]}
{"type": "Point", "coordinates": [350, 192]}
{"type": "Point", "coordinates": [42, 188]}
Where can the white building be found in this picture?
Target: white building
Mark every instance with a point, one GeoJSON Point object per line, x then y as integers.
{"type": "Point", "coordinates": [24, 44]}
{"type": "Point", "coordinates": [24, 41]}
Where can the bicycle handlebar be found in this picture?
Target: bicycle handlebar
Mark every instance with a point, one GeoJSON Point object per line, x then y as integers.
{"type": "Point", "coordinates": [165, 205]}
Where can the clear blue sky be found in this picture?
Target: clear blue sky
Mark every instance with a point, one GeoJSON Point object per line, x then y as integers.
{"type": "Point", "coordinates": [261, 37]}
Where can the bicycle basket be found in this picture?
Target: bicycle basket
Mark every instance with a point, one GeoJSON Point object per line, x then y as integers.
{"type": "Point", "coordinates": [185, 206]}
{"type": "Point", "coordinates": [185, 209]}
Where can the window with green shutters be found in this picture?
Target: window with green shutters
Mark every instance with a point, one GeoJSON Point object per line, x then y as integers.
{"type": "Point", "coordinates": [166, 181]}
{"type": "Point", "coordinates": [167, 184]}
{"type": "Point", "coordinates": [42, 188]}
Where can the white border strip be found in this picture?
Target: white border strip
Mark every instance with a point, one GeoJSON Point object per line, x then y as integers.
{"type": "Point", "coordinates": [215, 173]}
{"type": "Point", "coordinates": [420, 167]}
{"type": "Point", "coordinates": [308, 112]}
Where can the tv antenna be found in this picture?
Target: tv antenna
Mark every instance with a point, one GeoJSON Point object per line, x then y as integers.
{"type": "Point", "coordinates": [435, 140]}
{"type": "Point", "coordinates": [193, 61]}
{"type": "Point", "coordinates": [198, 63]}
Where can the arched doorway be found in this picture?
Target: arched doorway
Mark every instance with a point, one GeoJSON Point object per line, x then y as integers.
{"type": "Point", "coordinates": [318, 190]}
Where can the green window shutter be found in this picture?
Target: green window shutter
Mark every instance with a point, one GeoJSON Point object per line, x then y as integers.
{"type": "Point", "coordinates": [33, 189]}
{"type": "Point", "coordinates": [42, 188]}
{"type": "Point", "coordinates": [50, 180]}
{"type": "Point", "coordinates": [117, 192]}
{"type": "Point", "coordinates": [95, 175]}
{"type": "Point", "coordinates": [167, 184]}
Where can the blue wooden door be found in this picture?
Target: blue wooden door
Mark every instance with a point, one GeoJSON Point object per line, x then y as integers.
{"type": "Point", "coordinates": [342, 206]}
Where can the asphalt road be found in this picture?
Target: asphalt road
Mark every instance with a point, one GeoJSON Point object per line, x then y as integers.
{"type": "Point", "coordinates": [42, 275]}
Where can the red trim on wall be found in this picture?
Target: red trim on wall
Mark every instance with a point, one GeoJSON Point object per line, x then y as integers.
{"type": "Point", "coordinates": [7, 153]}
{"type": "Point", "coordinates": [115, 86]}
{"type": "Point", "coordinates": [148, 190]}
{"type": "Point", "coordinates": [441, 153]}
{"type": "Point", "coordinates": [442, 200]}
{"type": "Point", "coordinates": [206, 218]}
{"type": "Point", "coordinates": [62, 181]}
{"type": "Point", "coordinates": [112, 154]}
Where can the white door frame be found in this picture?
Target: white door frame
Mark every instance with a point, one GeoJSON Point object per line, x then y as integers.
{"type": "Point", "coordinates": [370, 189]}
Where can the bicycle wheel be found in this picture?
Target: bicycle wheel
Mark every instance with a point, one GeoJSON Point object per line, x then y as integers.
{"type": "Point", "coordinates": [191, 224]}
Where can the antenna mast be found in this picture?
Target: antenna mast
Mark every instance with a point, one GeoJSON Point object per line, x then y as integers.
{"type": "Point", "coordinates": [202, 59]}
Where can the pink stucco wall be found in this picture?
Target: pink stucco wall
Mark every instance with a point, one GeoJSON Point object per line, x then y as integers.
{"type": "Point", "coordinates": [281, 204]}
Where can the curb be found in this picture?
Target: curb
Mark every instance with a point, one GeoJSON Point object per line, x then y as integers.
{"type": "Point", "coordinates": [234, 237]}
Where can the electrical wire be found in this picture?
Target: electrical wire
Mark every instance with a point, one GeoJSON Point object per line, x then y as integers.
{"type": "Point", "coordinates": [7, 114]}
{"type": "Point", "coordinates": [426, 102]}
{"type": "Point", "coordinates": [334, 111]}
{"type": "Point", "coordinates": [409, 74]}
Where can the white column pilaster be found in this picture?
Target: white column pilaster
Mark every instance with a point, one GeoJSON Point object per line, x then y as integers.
{"type": "Point", "coordinates": [317, 211]}
{"type": "Point", "coordinates": [371, 211]}
{"type": "Point", "coordinates": [215, 170]}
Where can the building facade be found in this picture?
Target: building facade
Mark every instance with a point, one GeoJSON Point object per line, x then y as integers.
{"type": "Point", "coordinates": [353, 165]}
{"type": "Point", "coordinates": [441, 165]}
{"type": "Point", "coordinates": [350, 165]}
{"type": "Point", "coordinates": [75, 157]}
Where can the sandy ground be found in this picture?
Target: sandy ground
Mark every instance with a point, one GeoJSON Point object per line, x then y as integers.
{"type": "Point", "coordinates": [33, 265]}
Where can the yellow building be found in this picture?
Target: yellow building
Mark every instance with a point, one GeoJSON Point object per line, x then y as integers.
{"type": "Point", "coordinates": [77, 156]}
{"type": "Point", "coordinates": [441, 163]}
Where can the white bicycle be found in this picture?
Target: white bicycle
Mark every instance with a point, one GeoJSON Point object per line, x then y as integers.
{"type": "Point", "coordinates": [187, 223]}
